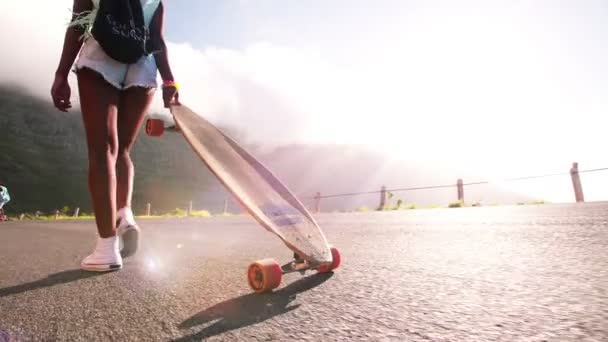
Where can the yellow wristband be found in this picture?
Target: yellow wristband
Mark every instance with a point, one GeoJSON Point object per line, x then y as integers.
{"type": "Point", "coordinates": [171, 84]}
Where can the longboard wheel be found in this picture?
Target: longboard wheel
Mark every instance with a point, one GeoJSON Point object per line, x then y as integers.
{"type": "Point", "coordinates": [336, 260]}
{"type": "Point", "coordinates": [155, 127]}
{"type": "Point", "coordinates": [264, 275]}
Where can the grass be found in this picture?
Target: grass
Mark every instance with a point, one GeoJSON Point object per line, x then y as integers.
{"type": "Point", "coordinates": [33, 217]}
{"type": "Point", "coordinates": [176, 213]}
{"type": "Point", "coordinates": [457, 204]}
{"type": "Point", "coordinates": [200, 213]}
{"type": "Point", "coordinates": [66, 213]}
{"type": "Point", "coordinates": [399, 205]}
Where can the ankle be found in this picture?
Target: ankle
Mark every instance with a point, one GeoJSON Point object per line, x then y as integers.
{"type": "Point", "coordinates": [108, 243]}
{"type": "Point", "coordinates": [126, 214]}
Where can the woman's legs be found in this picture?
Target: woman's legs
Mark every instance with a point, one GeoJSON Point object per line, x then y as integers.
{"type": "Point", "coordinates": [112, 119]}
{"type": "Point", "coordinates": [99, 103]}
{"type": "Point", "coordinates": [134, 104]}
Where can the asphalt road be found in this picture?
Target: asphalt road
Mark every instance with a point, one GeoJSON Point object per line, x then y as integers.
{"type": "Point", "coordinates": [533, 273]}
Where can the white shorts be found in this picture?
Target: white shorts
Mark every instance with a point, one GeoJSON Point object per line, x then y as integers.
{"type": "Point", "coordinates": [120, 75]}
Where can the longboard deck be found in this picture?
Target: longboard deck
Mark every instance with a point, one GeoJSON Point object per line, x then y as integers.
{"type": "Point", "coordinates": [254, 186]}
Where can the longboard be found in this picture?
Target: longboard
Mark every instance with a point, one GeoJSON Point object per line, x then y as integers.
{"type": "Point", "coordinates": [261, 193]}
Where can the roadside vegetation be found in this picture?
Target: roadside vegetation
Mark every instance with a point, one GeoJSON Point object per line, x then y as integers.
{"type": "Point", "coordinates": [67, 213]}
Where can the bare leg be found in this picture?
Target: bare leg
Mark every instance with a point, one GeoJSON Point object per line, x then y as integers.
{"type": "Point", "coordinates": [132, 108]}
{"type": "Point", "coordinates": [134, 103]}
{"type": "Point", "coordinates": [99, 102]}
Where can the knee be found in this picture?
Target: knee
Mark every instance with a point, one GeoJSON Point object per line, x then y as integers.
{"type": "Point", "coordinates": [124, 154]}
{"type": "Point", "coordinates": [103, 156]}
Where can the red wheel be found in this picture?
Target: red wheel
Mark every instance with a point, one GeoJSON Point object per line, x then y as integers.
{"type": "Point", "coordinates": [264, 275]}
{"type": "Point", "coordinates": [155, 127]}
{"type": "Point", "coordinates": [335, 263]}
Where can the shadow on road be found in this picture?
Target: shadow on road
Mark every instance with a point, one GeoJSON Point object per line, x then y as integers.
{"type": "Point", "coordinates": [51, 280]}
{"type": "Point", "coordinates": [249, 309]}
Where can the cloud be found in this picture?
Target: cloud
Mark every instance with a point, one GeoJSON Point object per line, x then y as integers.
{"type": "Point", "coordinates": [265, 90]}
{"type": "Point", "coordinates": [269, 93]}
{"type": "Point", "coordinates": [453, 89]}
{"type": "Point", "coordinates": [31, 33]}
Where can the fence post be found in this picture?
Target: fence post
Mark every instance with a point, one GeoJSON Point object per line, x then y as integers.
{"type": "Point", "coordinates": [190, 208]}
{"type": "Point", "coordinates": [460, 187]}
{"type": "Point", "coordinates": [317, 204]}
{"type": "Point", "coordinates": [148, 209]}
{"type": "Point", "coordinates": [383, 198]}
{"type": "Point", "coordinates": [76, 212]}
{"type": "Point", "coordinates": [576, 183]}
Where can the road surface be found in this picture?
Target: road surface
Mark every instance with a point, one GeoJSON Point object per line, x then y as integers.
{"type": "Point", "coordinates": [517, 273]}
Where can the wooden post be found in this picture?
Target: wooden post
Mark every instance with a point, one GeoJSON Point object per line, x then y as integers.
{"type": "Point", "coordinates": [576, 183]}
{"type": "Point", "coordinates": [148, 208]}
{"type": "Point", "coordinates": [56, 214]}
{"type": "Point", "coordinates": [383, 198]}
{"type": "Point", "coordinates": [21, 216]}
{"type": "Point", "coordinates": [460, 187]}
{"type": "Point", "coordinates": [190, 208]}
{"type": "Point", "coordinates": [76, 212]}
{"type": "Point", "coordinates": [317, 204]}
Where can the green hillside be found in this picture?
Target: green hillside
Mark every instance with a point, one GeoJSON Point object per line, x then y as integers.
{"type": "Point", "coordinates": [43, 160]}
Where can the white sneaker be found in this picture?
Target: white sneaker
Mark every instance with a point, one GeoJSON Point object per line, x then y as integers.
{"type": "Point", "coordinates": [105, 257]}
{"type": "Point", "coordinates": [129, 233]}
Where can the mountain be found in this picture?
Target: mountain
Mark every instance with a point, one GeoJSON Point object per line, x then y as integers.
{"type": "Point", "coordinates": [43, 162]}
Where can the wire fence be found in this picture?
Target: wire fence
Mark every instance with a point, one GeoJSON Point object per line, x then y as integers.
{"type": "Point", "coordinates": [452, 185]}
{"type": "Point", "coordinates": [386, 193]}
{"type": "Point", "coordinates": [314, 202]}
{"type": "Point", "coordinates": [230, 205]}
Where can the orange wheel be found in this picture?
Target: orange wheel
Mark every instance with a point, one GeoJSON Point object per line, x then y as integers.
{"type": "Point", "coordinates": [264, 275]}
{"type": "Point", "coordinates": [335, 263]}
{"type": "Point", "coordinates": [155, 127]}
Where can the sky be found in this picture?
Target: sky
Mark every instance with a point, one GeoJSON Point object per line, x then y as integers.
{"type": "Point", "coordinates": [504, 88]}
